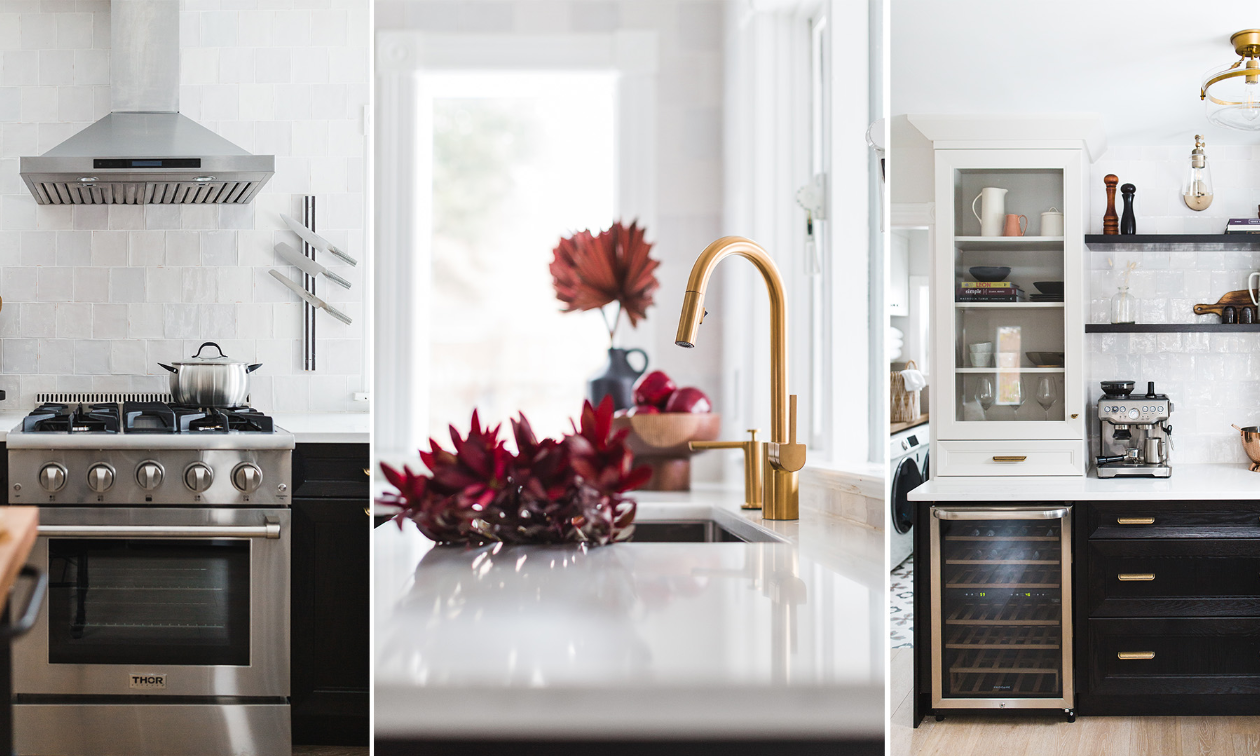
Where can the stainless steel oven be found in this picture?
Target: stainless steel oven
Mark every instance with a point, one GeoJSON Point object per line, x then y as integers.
{"type": "Point", "coordinates": [158, 605]}
{"type": "Point", "coordinates": [1001, 598]}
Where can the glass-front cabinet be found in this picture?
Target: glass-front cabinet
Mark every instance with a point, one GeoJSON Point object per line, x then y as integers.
{"type": "Point", "coordinates": [1009, 312]}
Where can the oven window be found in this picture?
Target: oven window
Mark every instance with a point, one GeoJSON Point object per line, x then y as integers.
{"type": "Point", "coordinates": [148, 602]}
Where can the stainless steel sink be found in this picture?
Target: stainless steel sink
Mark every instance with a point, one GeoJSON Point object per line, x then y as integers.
{"type": "Point", "coordinates": [697, 531]}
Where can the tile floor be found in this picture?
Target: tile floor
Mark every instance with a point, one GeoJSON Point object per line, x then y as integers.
{"type": "Point", "coordinates": [901, 605]}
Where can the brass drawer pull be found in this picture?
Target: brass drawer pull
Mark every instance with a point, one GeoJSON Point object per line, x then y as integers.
{"type": "Point", "coordinates": [1011, 458]}
{"type": "Point", "coordinates": [1135, 520]}
{"type": "Point", "coordinates": [1130, 577]}
{"type": "Point", "coordinates": [1126, 655]}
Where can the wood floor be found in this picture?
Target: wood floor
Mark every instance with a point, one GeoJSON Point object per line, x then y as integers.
{"type": "Point", "coordinates": [980, 735]}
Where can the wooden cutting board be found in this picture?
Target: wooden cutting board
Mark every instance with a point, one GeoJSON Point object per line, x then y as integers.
{"type": "Point", "coordinates": [1231, 299]}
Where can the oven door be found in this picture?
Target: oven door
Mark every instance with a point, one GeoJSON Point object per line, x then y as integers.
{"type": "Point", "coordinates": [159, 601]}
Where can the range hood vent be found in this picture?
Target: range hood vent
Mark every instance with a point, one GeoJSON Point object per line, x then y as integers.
{"type": "Point", "coordinates": [145, 152]}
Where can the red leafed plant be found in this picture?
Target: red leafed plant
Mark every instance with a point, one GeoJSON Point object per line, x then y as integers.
{"type": "Point", "coordinates": [590, 271]}
{"type": "Point", "coordinates": [549, 491]}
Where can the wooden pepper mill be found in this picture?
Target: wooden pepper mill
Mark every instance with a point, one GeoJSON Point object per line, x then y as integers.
{"type": "Point", "coordinates": [1111, 221]}
{"type": "Point", "coordinates": [1128, 222]}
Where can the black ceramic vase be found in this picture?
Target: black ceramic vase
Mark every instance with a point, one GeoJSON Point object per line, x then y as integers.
{"type": "Point", "coordinates": [618, 379]}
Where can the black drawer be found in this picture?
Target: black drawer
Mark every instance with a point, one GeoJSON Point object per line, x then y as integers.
{"type": "Point", "coordinates": [331, 471]}
{"type": "Point", "coordinates": [1174, 578]}
{"type": "Point", "coordinates": [1174, 656]}
{"type": "Point", "coordinates": [1177, 519]}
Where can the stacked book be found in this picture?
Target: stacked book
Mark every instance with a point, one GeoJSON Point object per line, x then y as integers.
{"type": "Point", "coordinates": [1243, 226]}
{"type": "Point", "coordinates": [990, 291]}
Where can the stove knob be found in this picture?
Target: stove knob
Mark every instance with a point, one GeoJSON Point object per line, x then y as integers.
{"type": "Point", "coordinates": [52, 477]}
{"type": "Point", "coordinates": [247, 477]}
{"type": "Point", "coordinates": [198, 477]}
{"type": "Point", "coordinates": [100, 477]}
{"type": "Point", "coordinates": [149, 475]}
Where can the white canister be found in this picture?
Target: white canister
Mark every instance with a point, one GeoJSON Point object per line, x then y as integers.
{"type": "Point", "coordinates": [992, 210]}
{"type": "Point", "coordinates": [1052, 223]}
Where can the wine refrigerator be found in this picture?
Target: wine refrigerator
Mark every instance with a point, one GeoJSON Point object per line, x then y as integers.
{"type": "Point", "coordinates": [1001, 607]}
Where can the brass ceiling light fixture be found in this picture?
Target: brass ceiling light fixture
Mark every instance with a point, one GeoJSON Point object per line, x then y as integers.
{"type": "Point", "coordinates": [1232, 95]}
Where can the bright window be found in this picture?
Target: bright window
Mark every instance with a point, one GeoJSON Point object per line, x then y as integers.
{"type": "Point", "coordinates": [518, 161]}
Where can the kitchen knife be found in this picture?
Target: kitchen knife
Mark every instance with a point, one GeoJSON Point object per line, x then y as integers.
{"type": "Point", "coordinates": [309, 298]}
{"type": "Point", "coordinates": [307, 265]}
{"type": "Point", "coordinates": [317, 241]}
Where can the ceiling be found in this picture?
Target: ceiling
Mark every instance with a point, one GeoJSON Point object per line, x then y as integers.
{"type": "Point", "coordinates": [1136, 63]}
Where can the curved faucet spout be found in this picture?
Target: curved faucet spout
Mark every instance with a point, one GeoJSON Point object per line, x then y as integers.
{"type": "Point", "coordinates": [784, 455]}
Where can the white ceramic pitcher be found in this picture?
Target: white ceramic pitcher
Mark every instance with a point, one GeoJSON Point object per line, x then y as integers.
{"type": "Point", "coordinates": [992, 211]}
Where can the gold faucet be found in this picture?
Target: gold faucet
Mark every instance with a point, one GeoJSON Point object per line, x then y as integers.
{"type": "Point", "coordinates": [754, 453]}
{"type": "Point", "coordinates": [782, 456]}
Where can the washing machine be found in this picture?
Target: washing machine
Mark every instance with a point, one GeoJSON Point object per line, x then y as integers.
{"type": "Point", "coordinates": [908, 467]}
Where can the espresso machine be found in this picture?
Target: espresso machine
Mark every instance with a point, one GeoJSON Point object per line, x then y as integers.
{"type": "Point", "coordinates": [1134, 435]}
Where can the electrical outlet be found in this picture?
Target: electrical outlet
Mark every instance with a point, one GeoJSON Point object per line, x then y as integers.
{"type": "Point", "coordinates": [361, 396]}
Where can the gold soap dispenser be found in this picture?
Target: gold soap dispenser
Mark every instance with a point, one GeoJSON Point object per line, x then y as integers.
{"type": "Point", "coordinates": [1196, 190]}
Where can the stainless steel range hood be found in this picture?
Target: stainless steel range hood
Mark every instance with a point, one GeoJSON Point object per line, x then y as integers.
{"type": "Point", "coordinates": [145, 152]}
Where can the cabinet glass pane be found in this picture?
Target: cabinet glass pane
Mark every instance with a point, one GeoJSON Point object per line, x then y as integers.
{"type": "Point", "coordinates": [1001, 608]}
{"type": "Point", "coordinates": [1008, 298]}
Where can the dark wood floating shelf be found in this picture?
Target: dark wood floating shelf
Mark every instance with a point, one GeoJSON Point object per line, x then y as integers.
{"type": "Point", "coordinates": [1173, 242]}
{"type": "Point", "coordinates": [1172, 328]}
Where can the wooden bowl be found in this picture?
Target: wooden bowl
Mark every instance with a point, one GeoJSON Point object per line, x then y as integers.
{"type": "Point", "coordinates": [660, 441]}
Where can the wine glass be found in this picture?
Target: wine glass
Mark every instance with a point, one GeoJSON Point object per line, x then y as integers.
{"type": "Point", "coordinates": [1018, 396]}
{"type": "Point", "coordinates": [984, 394]}
{"type": "Point", "coordinates": [1047, 394]}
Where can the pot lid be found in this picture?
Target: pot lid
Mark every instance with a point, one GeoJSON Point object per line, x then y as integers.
{"type": "Point", "coordinates": [219, 359]}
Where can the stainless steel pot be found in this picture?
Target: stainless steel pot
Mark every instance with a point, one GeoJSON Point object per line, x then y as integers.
{"type": "Point", "coordinates": [210, 381]}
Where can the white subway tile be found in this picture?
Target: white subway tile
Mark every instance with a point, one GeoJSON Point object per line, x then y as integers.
{"type": "Point", "coordinates": [55, 356]}
{"type": "Point", "coordinates": [126, 285]}
{"type": "Point", "coordinates": [39, 247]}
{"type": "Point", "coordinates": [38, 319]}
{"type": "Point", "coordinates": [74, 321]}
{"type": "Point", "coordinates": [163, 284]}
{"type": "Point", "coordinates": [147, 248]}
{"type": "Point", "coordinates": [126, 357]}
{"type": "Point", "coordinates": [108, 321]}
{"type": "Point", "coordinates": [145, 321]}
{"type": "Point", "coordinates": [90, 357]}
{"type": "Point", "coordinates": [273, 66]}
{"type": "Point", "coordinates": [18, 355]}
{"type": "Point", "coordinates": [180, 321]}
{"type": "Point", "coordinates": [183, 248]}
{"type": "Point", "coordinates": [219, 248]}
{"type": "Point", "coordinates": [199, 285]}
{"type": "Point", "coordinates": [292, 393]}
{"type": "Point", "coordinates": [235, 284]}
{"type": "Point", "coordinates": [218, 323]}
{"type": "Point", "coordinates": [218, 28]}
{"type": "Point", "coordinates": [54, 284]}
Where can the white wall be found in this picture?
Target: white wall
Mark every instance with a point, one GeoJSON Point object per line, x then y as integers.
{"type": "Point", "coordinates": [688, 146]}
{"type": "Point", "coordinates": [1212, 379]}
{"type": "Point", "coordinates": [96, 296]}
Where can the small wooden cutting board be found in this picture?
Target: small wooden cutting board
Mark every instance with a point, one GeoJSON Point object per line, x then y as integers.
{"type": "Point", "coordinates": [1231, 299]}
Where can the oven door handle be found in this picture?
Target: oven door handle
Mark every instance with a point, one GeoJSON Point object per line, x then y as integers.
{"type": "Point", "coordinates": [33, 603]}
{"type": "Point", "coordinates": [1000, 513]}
{"type": "Point", "coordinates": [270, 530]}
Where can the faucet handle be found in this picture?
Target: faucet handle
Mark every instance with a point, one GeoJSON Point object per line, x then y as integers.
{"type": "Point", "coordinates": [790, 456]}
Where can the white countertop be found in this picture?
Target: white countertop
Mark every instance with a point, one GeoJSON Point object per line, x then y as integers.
{"type": "Point", "coordinates": [1188, 482]}
{"type": "Point", "coordinates": [327, 427]}
{"type": "Point", "coordinates": [307, 427]}
{"type": "Point", "coordinates": [638, 639]}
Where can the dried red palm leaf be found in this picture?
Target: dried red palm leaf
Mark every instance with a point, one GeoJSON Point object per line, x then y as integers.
{"type": "Point", "coordinates": [591, 271]}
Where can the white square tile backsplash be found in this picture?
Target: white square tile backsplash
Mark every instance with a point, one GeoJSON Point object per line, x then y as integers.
{"type": "Point", "coordinates": [1212, 379]}
{"type": "Point", "coordinates": [96, 296]}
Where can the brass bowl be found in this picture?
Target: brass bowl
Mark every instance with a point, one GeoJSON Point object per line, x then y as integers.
{"type": "Point", "coordinates": [1251, 444]}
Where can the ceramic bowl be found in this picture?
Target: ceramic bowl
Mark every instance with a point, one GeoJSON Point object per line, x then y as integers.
{"type": "Point", "coordinates": [989, 273]}
{"type": "Point", "coordinates": [1053, 288]}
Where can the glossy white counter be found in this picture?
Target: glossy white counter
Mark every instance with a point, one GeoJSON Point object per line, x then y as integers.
{"type": "Point", "coordinates": [327, 427]}
{"type": "Point", "coordinates": [8, 421]}
{"type": "Point", "coordinates": [1188, 482]}
{"type": "Point", "coordinates": [634, 640]}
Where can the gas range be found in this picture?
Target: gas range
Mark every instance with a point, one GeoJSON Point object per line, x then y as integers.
{"type": "Point", "coordinates": [142, 452]}
{"type": "Point", "coordinates": [166, 532]}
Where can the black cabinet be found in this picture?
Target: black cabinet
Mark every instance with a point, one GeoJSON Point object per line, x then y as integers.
{"type": "Point", "coordinates": [330, 595]}
{"type": "Point", "coordinates": [1170, 620]}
